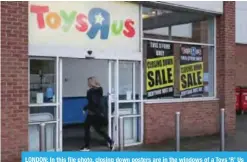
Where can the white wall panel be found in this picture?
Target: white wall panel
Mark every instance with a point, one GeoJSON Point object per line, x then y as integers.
{"type": "Point", "coordinates": [241, 22]}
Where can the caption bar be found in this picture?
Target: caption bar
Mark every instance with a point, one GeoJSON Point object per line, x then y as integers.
{"type": "Point", "coordinates": [134, 157]}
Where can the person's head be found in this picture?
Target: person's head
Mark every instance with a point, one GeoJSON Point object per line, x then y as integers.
{"type": "Point", "coordinates": [92, 82]}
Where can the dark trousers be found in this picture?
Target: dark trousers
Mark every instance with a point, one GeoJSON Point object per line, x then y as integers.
{"type": "Point", "coordinates": [97, 122]}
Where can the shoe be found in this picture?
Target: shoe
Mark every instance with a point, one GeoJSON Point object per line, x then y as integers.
{"type": "Point", "coordinates": [111, 145]}
{"type": "Point", "coordinates": [84, 149]}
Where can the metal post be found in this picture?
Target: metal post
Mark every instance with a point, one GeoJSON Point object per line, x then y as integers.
{"type": "Point", "coordinates": [177, 122]}
{"type": "Point", "coordinates": [121, 133]}
{"type": "Point", "coordinates": [42, 137]}
{"type": "Point", "coordinates": [222, 130]}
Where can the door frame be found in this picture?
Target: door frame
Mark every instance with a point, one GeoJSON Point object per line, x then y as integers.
{"type": "Point", "coordinates": [112, 76]}
{"type": "Point", "coordinates": [113, 99]}
{"type": "Point", "coordinates": [113, 63]}
{"type": "Point", "coordinates": [115, 130]}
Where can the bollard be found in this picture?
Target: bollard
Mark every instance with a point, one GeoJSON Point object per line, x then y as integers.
{"type": "Point", "coordinates": [121, 133]}
{"type": "Point", "coordinates": [42, 137]}
{"type": "Point", "coordinates": [222, 130]}
{"type": "Point", "coordinates": [177, 122]}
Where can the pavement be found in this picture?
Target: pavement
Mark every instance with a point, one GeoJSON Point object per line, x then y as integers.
{"type": "Point", "coordinates": [236, 142]}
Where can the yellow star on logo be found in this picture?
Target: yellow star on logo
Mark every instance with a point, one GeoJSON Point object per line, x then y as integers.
{"type": "Point", "coordinates": [99, 19]}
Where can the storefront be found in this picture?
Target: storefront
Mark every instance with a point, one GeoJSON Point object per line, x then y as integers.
{"type": "Point", "coordinates": [108, 48]}
{"type": "Point", "coordinates": [152, 59]}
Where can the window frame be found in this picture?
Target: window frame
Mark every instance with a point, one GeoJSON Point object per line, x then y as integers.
{"type": "Point", "coordinates": [54, 105]}
{"type": "Point", "coordinates": [29, 80]}
{"type": "Point", "coordinates": [189, 99]}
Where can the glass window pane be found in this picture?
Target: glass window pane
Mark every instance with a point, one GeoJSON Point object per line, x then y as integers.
{"type": "Point", "coordinates": [42, 81]}
{"type": "Point", "coordinates": [125, 80]}
{"type": "Point", "coordinates": [209, 71]}
{"type": "Point", "coordinates": [129, 108]}
{"type": "Point", "coordinates": [193, 70]}
{"type": "Point", "coordinates": [41, 114]}
{"type": "Point", "coordinates": [34, 137]}
{"type": "Point", "coordinates": [127, 70]}
{"type": "Point", "coordinates": [138, 80]}
{"type": "Point", "coordinates": [206, 77]}
{"type": "Point", "coordinates": [132, 130]}
{"type": "Point", "coordinates": [177, 25]}
{"type": "Point", "coordinates": [132, 126]}
{"type": "Point", "coordinates": [200, 31]}
{"type": "Point", "coordinates": [113, 128]}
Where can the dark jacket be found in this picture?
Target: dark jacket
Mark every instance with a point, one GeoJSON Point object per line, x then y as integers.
{"type": "Point", "coordinates": [94, 97]}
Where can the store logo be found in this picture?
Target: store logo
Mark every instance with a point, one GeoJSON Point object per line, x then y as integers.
{"type": "Point", "coordinates": [98, 21]}
{"type": "Point", "coordinates": [193, 51]}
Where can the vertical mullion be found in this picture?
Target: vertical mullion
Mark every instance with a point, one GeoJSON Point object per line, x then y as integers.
{"type": "Point", "coordinates": [60, 103]}
{"type": "Point", "coordinates": [109, 97]}
{"type": "Point", "coordinates": [57, 102]}
{"type": "Point", "coordinates": [116, 128]}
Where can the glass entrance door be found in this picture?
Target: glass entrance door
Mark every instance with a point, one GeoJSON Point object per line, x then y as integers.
{"type": "Point", "coordinates": [125, 99]}
{"type": "Point", "coordinates": [130, 100]}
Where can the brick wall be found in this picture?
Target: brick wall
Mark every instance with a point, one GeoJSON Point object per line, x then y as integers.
{"type": "Point", "coordinates": [197, 118]}
{"type": "Point", "coordinates": [226, 60]}
{"type": "Point", "coordinates": [241, 65]}
{"type": "Point", "coordinates": [14, 80]}
{"type": "Point", "coordinates": [201, 118]}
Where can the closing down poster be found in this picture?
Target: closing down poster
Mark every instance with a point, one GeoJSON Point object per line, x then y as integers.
{"type": "Point", "coordinates": [191, 71]}
{"type": "Point", "coordinates": [159, 69]}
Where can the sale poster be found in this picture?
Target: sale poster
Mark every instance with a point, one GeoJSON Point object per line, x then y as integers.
{"type": "Point", "coordinates": [191, 71]}
{"type": "Point", "coordinates": [159, 69]}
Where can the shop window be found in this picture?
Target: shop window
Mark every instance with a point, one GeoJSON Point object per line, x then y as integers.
{"type": "Point", "coordinates": [175, 70]}
{"type": "Point", "coordinates": [42, 102]}
{"type": "Point", "coordinates": [178, 26]}
{"type": "Point", "coordinates": [42, 81]}
{"type": "Point", "coordinates": [178, 51]}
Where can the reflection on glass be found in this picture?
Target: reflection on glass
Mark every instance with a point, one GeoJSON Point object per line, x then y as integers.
{"type": "Point", "coordinates": [51, 137]}
{"type": "Point", "coordinates": [177, 25]}
{"type": "Point", "coordinates": [138, 80]}
{"type": "Point", "coordinates": [126, 86]}
{"type": "Point", "coordinates": [132, 127]}
{"type": "Point", "coordinates": [42, 81]}
{"type": "Point", "coordinates": [34, 137]}
{"type": "Point", "coordinates": [129, 108]}
{"type": "Point", "coordinates": [47, 113]}
{"type": "Point", "coordinates": [125, 80]}
{"type": "Point", "coordinates": [113, 128]}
